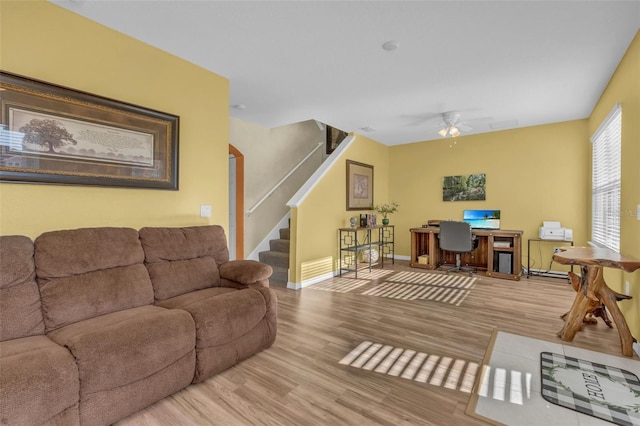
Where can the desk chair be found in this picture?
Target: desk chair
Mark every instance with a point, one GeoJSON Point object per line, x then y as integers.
{"type": "Point", "coordinates": [456, 237]}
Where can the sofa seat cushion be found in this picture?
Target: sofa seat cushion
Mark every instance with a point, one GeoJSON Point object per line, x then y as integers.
{"type": "Point", "coordinates": [126, 346]}
{"type": "Point", "coordinates": [38, 381]}
{"type": "Point", "coordinates": [221, 315]}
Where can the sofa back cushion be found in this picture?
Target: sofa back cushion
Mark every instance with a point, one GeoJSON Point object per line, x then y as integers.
{"type": "Point", "coordinates": [20, 312]}
{"type": "Point", "coordinates": [85, 273]}
{"type": "Point", "coordinates": [186, 259]}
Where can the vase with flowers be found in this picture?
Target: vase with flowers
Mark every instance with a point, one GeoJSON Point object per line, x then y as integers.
{"type": "Point", "coordinates": [385, 210]}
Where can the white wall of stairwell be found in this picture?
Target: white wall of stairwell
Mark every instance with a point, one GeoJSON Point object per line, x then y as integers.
{"type": "Point", "coordinates": [274, 234]}
{"type": "Point", "coordinates": [271, 155]}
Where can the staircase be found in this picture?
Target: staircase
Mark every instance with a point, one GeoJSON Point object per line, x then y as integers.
{"type": "Point", "coordinates": [278, 258]}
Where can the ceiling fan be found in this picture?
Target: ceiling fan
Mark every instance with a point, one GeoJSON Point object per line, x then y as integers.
{"type": "Point", "coordinates": [452, 125]}
{"type": "Point", "coordinates": [448, 123]}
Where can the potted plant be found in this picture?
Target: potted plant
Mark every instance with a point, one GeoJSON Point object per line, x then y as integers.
{"type": "Point", "coordinates": [385, 210]}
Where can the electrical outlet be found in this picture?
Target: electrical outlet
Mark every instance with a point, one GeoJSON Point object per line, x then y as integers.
{"type": "Point", "coordinates": [556, 249]}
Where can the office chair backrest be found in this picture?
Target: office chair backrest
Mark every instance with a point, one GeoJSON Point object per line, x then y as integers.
{"type": "Point", "coordinates": [455, 236]}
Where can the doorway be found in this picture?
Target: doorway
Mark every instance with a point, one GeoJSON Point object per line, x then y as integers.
{"type": "Point", "coordinates": [236, 203]}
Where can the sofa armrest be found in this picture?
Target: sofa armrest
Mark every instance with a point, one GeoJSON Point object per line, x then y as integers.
{"type": "Point", "coordinates": [246, 273]}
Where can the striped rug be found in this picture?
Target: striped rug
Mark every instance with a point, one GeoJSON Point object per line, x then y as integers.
{"type": "Point", "coordinates": [452, 289]}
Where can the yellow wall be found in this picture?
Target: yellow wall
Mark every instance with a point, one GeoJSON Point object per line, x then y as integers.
{"type": "Point", "coordinates": [532, 174]}
{"type": "Point", "coordinates": [624, 88]}
{"type": "Point", "coordinates": [45, 42]}
{"type": "Point", "coordinates": [323, 211]}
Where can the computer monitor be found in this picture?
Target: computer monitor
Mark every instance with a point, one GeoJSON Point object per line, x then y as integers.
{"type": "Point", "coordinates": [482, 219]}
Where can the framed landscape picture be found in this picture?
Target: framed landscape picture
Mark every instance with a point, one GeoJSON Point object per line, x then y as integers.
{"type": "Point", "coordinates": [464, 187]}
{"type": "Point", "coordinates": [56, 135]}
{"type": "Point", "coordinates": [359, 186]}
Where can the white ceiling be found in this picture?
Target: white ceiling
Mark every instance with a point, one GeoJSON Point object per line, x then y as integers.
{"type": "Point", "coordinates": [505, 63]}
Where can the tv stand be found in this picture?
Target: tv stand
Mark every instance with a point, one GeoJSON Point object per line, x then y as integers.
{"type": "Point", "coordinates": [499, 252]}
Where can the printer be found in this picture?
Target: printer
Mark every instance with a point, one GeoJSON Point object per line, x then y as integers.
{"type": "Point", "coordinates": [553, 231]}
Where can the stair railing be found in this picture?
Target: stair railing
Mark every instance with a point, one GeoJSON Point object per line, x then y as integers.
{"type": "Point", "coordinates": [281, 181]}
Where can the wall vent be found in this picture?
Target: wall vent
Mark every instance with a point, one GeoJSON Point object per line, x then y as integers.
{"type": "Point", "coordinates": [316, 267]}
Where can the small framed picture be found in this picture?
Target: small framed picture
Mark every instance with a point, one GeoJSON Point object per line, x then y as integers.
{"type": "Point", "coordinates": [359, 186]}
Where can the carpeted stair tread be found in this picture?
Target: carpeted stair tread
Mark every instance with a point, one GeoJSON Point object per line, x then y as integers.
{"type": "Point", "coordinates": [274, 258]}
{"type": "Point", "coordinates": [280, 276]}
{"type": "Point", "coordinates": [278, 257]}
{"type": "Point", "coordinates": [279, 245]}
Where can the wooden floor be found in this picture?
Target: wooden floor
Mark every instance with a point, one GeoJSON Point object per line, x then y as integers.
{"type": "Point", "coordinates": [299, 380]}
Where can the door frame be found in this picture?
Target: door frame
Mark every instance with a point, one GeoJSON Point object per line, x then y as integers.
{"type": "Point", "coordinates": [239, 207]}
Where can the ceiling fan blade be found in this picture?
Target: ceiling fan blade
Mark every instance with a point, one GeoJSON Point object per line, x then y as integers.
{"type": "Point", "coordinates": [479, 120]}
{"type": "Point", "coordinates": [421, 119]}
{"type": "Point", "coordinates": [464, 127]}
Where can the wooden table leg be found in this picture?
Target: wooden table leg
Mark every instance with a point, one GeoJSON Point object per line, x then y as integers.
{"type": "Point", "coordinates": [610, 300]}
{"type": "Point", "coordinates": [581, 305]}
{"type": "Point", "coordinates": [593, 288]}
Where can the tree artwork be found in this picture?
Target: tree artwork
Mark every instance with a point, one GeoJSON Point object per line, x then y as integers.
{"type": "Point", "coordinates": [464, 187]}
{"type": "Point", "coordinates": [47, 133]}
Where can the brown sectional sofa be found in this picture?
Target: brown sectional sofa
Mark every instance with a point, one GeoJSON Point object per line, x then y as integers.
{"type": "Point", "coordinates": [38, 378]}
{"type": "Point", "coordinates": [98, 323]}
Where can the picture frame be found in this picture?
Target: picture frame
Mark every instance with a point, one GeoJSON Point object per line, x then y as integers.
{"type": "Point", "coordinates": [334, 138]}
{"type": "Point", "coordinates": [470, 187]}
{"type": "Point", "coordinates": [359, 186]}
{"type": "Point", "coordinates": [51, 134]}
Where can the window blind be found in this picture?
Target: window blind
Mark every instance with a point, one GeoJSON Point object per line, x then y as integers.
{"type": "Point", "coordinates": [605, 182]}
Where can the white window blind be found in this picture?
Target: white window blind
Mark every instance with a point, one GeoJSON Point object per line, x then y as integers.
{"type": "Point", "coordinates": [605, 182]}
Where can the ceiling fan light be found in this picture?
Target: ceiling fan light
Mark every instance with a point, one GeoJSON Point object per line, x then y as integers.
{"type": "Point", "coordinates": [443, 132]}
{"type": "Point", "coordinates": [453, 131]}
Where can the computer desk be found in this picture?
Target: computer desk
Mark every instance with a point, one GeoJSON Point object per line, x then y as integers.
{"type": "Point", "coordinates": [426, 252]}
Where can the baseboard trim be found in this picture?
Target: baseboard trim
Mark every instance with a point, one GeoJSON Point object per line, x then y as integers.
{"type": "Point", "coordinates": [307, 283]}
{"type": "Point", "coordinates": [545, 273]}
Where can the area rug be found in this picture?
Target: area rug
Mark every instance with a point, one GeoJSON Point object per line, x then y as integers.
{"type": "Point", "coordinates": [599, 390]}
{"type": "Point", "coordinates": [510, 384]}
{"type": "Point", "coordinates": [444, 288]}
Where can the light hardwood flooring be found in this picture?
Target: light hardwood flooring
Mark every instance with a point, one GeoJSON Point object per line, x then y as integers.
{"type": "Point", "coordinates": [299, 380]}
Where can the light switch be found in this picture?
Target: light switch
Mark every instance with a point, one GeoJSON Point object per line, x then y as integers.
{"type": "Point", "coordinates": [638, 214]}
{"type": "Point", "coordinates": [205, 210]}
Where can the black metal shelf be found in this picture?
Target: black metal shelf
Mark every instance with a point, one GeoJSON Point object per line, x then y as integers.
{"type": "Point", "coordinates": [380, 238]}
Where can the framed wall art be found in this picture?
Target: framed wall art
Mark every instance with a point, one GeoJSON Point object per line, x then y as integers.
{"type": "Point", "coordinates": [55, 135]}
{"type": "Point", "coordinates": [464, 187]}
{"type": "Point", "coordinates": [359, 186]}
